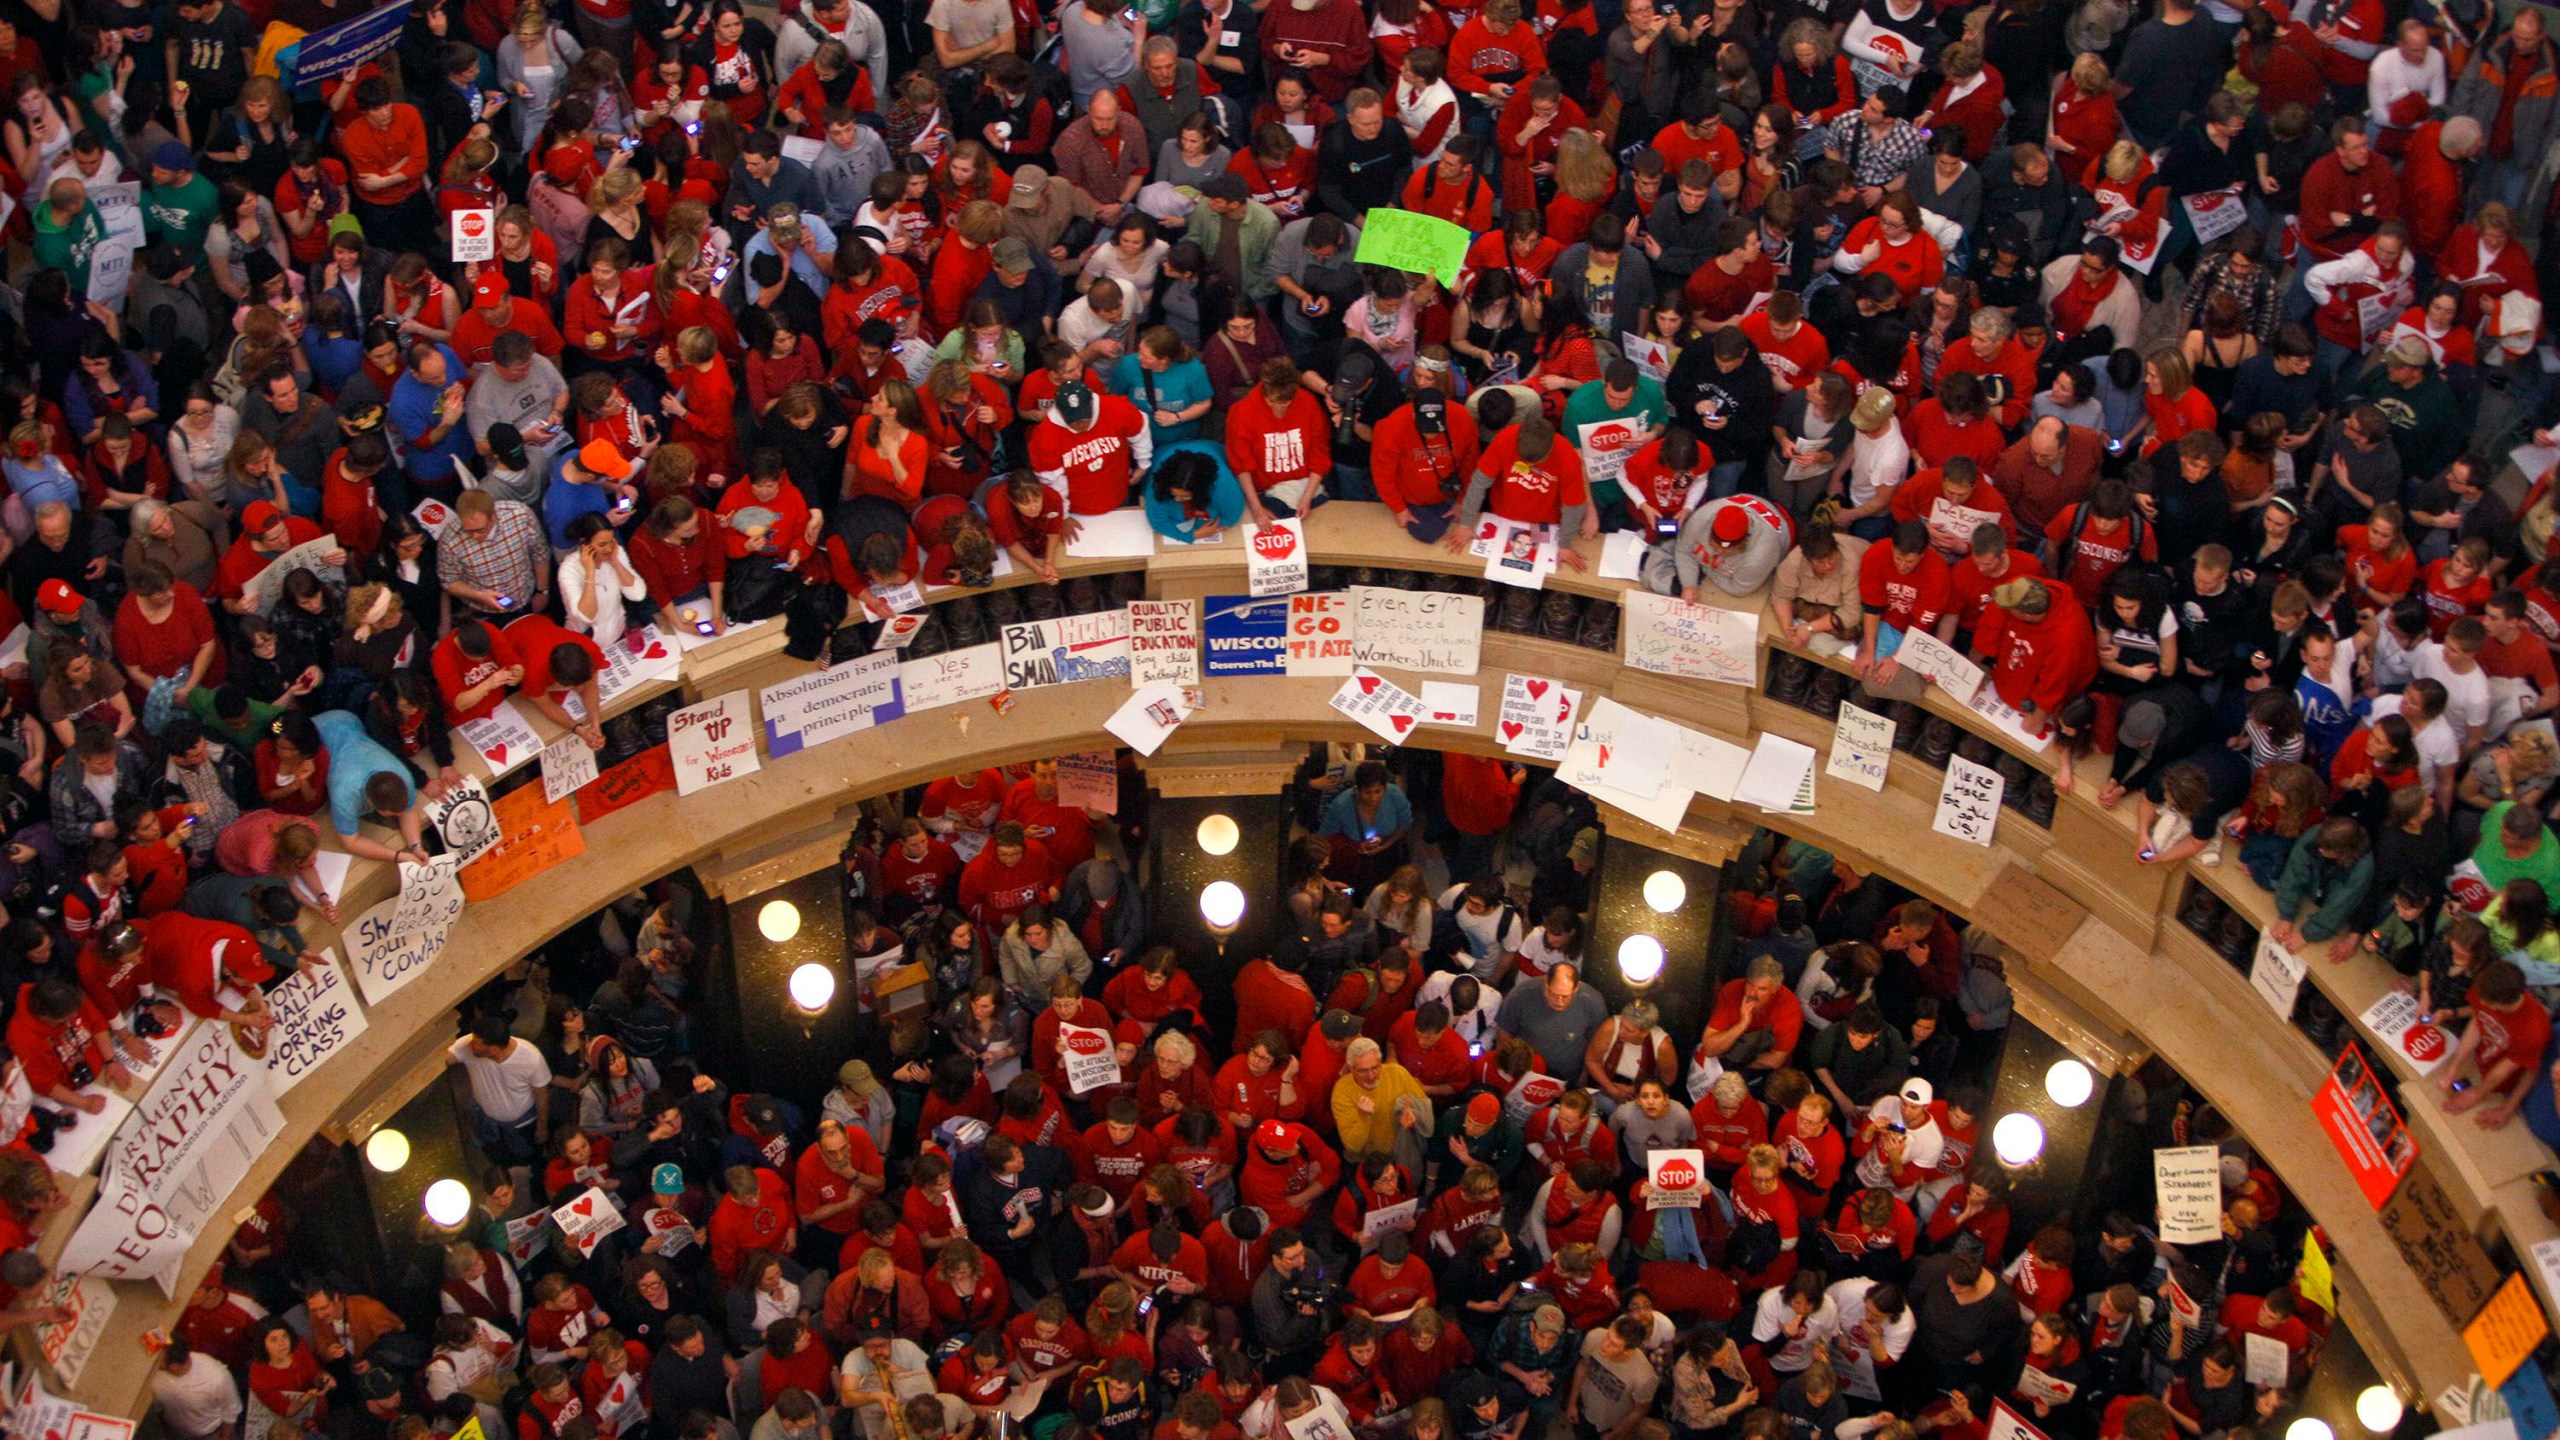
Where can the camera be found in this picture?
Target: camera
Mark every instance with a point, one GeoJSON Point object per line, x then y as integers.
{"type": "Point", "coordinates": [148, 1024]}
{"type": "Point", "coordinates": [48, 1123]}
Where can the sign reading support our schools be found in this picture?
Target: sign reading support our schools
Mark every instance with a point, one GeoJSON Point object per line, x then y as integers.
{"type": "Point", "coordinates": [1246, 634]}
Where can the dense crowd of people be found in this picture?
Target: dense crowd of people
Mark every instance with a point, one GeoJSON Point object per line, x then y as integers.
{"type": "Point", "coordinates": [2163, 359]}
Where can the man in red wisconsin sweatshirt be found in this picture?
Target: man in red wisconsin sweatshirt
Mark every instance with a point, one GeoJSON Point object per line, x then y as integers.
{"type": "Point", "coordinates": [2037, 643]}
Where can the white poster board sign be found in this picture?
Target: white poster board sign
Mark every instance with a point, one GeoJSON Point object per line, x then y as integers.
{"type": "Point", "coordinates": [1383, 708]}
{"type": "Point", "coordinates": [316, 1017]}
{"type": "Point", "coordinates": [568, 766]}
{"type": "Point", "coordinates": [1316, 638]}
{"type": "Point", "coordinates": [1164, 642]}
{"type": "Point", "coordinates": [504, 738]}
{"type": "Point", "coordinates": [186, 1146]}
{"type": "Point", "coordinates": [1276, 558]}
{"type": "Point", "coordinates": [1091, 1059]}
{"type": "Point", "coordinates": [1676, 1179]}
{"type": "Point", "coordinates": [1670, 636]}
{"type": "Point", "coordinates": [430, 896]}
{"type": "Point", "coordinates": [2187, 1182]}
{"type": "Point", "coordinates": [2393, 1019]}
{"type": "Point", "coordinates": [712, 743]}
{"type": "Point", "coordinates": [475, 235]}
{"type": "Point", "coordinates": [951, 677]}
{"type": "Point", "coordinates": [1150, 714]}
{"type": "Point", "coordinates": [1861, 747]}
{"type": "Point", "coordinates": [1969, 801]}
{"type": "Point", "coordinates": [384, 961]}
{"type": "Point", "coordinates": [465, 820]}
{"type": "Point", "coordinates": [2276, 974]}
{"type": "Point", "coordinates": [1421, 630]}
{"type": "Point", "coordinates": [1070, 648]}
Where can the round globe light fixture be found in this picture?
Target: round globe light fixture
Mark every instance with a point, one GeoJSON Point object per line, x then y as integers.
{"type": "Point", "coordinates": [1665, 891]}
{"type": "Point", "coordinates": [448, 1203]}
{"type": "Point", "coordinates": [1640, 959]}
{"type": "Point", "coordinates": [2378, 1409]}
{"type": "Point", "coordinates": [2069, 1083]}
{"type": "Point", "coordinates": [1218, 835]}
{"type": "Point", "coordinates": [778, 921]}
{"type": "Point", "coordinates": [2307, 1428]}
{"type": "Point", "coordinates": [2018, 1139]}
{"type": "Point", "coordinates": [812, 985]}
{"type": "Point", "coordinates": [386, 1150]}
{"type": "Point", "coordinates": [1221, 904]}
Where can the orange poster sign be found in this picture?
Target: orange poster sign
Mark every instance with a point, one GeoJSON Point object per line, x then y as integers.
{"type": "Point", "coordinates": [2505, 1331]}
{"type": "Point", "coordinates": [534, 834]}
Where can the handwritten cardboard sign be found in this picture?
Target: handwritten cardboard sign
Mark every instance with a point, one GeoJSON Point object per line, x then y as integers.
{"type": "Point", "coordinates": [384, 961]}
{"type": "Point", "coordinates": [568, 766]}
{"type": "Point", "coordinates": [1413, 242]}
{"type": "Point", "coordinates": [1318, 640]}
{"type": "Point", "coordinates": [1040, 653]}
{"type": "Point", "coordinates": [316, 1017]}
{"type": "Point", "coordinates": [1421, 630]}
{"type": "Point", "coordinates": [2187, 1182]}
{"type": "Point", "coordinates": [1164, 642]}
{"type": "Point", "coordinates": [1861, 747]}
{"type": "Point", "coordinates": [1384, 708]}
{"type": "Point", "coordinates": [1969, 801]}
{"type": "Point", "coordinates": [540, 833]}
{"type": "Point", "coordinates": [428, 899]}
{"type": "Point", "coordinates": [648, 773]}
{"type": "Point", "coordinates": [1669, 636]}
{"type": "Point", "coordinates": [712, 743]}
{"type": "Point", "coordinates": [504, 738]}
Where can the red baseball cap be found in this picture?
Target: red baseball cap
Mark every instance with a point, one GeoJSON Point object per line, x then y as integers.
{"type": "Point", "coordinates": [57, 597]}
{"type": "Point", "coordinates": [1731, 526]}
{"type": "Point", "coordinates": [1272, 1135]}
{"type": "Point", "coordinates": [490, 288]}
{"type": "Point", "coordinates": [260, 517]}
{"type": "Point", "coordinates": [1484, 1109]}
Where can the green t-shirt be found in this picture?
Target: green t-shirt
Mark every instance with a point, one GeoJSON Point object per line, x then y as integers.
{"type": "Point", "coordinates": [180, 214]}
{"type": "Point", "coordinates": [261, 716]}
{"type": "Point", "coordinates": [2497, 869]}
{"type": "Point", "coordinates": [68, 248]}
{"type": "Point", "coordinates": [1589, 405]}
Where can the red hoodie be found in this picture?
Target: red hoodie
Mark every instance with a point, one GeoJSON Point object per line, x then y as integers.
{"type": "Point", "coordinates": [2042, 661]}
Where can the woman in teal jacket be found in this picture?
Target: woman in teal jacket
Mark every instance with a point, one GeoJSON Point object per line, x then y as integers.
{"type": "Point", "coordinates": [1163, 378]}
{"type": "Point", "coordinates": [1191, 495]}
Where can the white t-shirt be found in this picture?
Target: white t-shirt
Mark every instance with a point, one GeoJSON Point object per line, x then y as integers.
{"type": "Point", "coordinates": [1853, 1353]}
{"type": "Point", "coordinates": [1876, 462]}
{"type": "Point", "coordinates": [2466, 701]}
{"type": "Point", "coordinates": [503, 1089]}
{"type": "Point", "coordinates": [1484, 946]}
{"type": "Point", "coordinates": [1921, 1148]}
{"type": "Point", "coordinates": [2438, 750]}
{"type": "Point", "coordinates": [1768, 1320]}
{"type": "Point", "coordinates": [1476, 1027]}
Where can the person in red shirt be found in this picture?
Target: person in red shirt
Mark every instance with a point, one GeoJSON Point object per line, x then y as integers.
{"type": "Point", "coordinates": [2381, 568]}
{"type": "Point", "coordinates": [1452, 187]}
{"type": "Point", "coordinates": [612, 314]}
{"type": "Point", "coordinates": [1812, 1151]}
{"type": "Point", "coordinates": [1528, 476]}
{"type": "Point", "coordinates": [265, 533]}
{"type": "Point", "coordinates": [1991, 352]}
{"type": "Point", "coordinates": [1427, 1046]}
{"type": "Point", "coordinates": [476, 667]}
{"type": "Point", "coordinates": [1090, 449]}
{"type": "Point", "coordinates": [754, 1214]}
{"type": "Point", "coordinates": [1736, 274]}
{"type": "Point", "coordinates": [2501, 1051]}
{"type": "Point", "coordinates": [1953, 501]}
{"type": "Point", "coordinates": [386, 150]}
{"type": "Point", "coordinates": [2091, 541]}
{"type": "Point", "coordinates": [1794, 351]}
{"type": "Point", "coordinates": [557, 663]}
{"type": "Point", "coordinates": [1989, 564]}
{"type": "Point", "coordinates": [2452, 587]}
{"type": "Point", "coordinates": [1118, 1151]}
{"type": "Point", "coordinates": [495, 311]}
{"type": "Point", "coordinates": [1010, 873]}
{"type": "Point", "coordinates": [1422, 456]}
{"type": "Point", "coordinates": [1958, 420]}
{"type": "Point", "coordinates": [1287, 1168]}
{"type": "Point", "coordinates": [1153, 990]}
{"type": "Point", "coordinates": [1065, 831]}
{"type": "Point", "coordinates": [684, 565]}
{"type": "Point", "coordinates": [918, 872]}
{"type": "Point", "coordinates": [1891, 243]}
{"type": "Point", "coordinates": [881, 1229]}
{"type": "Point", "coordinates": [1280, 445]}
{"type": "Point", "coordinates": [1904, 586]}
{"type": "Point", "coordinates": [1163, 1258]}
{"type": "Point", "coordinates": [833, 1180]}
{"type": "Point", "coordinates": [61, 1039]}
{"type": "Point", "coordinates": [1029, 518]}
{"type": "Point", "coordinates": [2040, 650]}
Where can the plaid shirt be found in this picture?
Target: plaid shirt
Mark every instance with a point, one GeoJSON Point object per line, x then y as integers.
{"type": "Point", "coordinates": [2260, 310]}
{"type": "Point", "coordinates": [1873, 161]}
{"type": "Point", "coordinates": [510, 559]}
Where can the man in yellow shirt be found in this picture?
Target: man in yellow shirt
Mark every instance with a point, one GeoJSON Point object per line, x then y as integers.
{"type": "Point", "coordinates": [1374, 1100]}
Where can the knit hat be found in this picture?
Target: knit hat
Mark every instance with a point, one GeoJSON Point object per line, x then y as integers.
{"type": "Point", "coordinates": [1730, 527]}
{"type": "Point", "coordinates": [1484, 1109]}
{"type": "Point", "coordinates": [2022, 595]}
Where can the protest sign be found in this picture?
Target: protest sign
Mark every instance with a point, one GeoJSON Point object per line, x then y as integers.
{"type": "Point", "coordinates": [568, 766]}
{"type": "Point", "coordinates": [2186, 1180]}
{"type": "Point", "coordinates": [1670, 636]}
{"type": "Point", "coordinates": [644, 657]}
{"type": "Point", "coordinates": [1091, 779]}
{"type": "Point", "coordinates": [1969, 801]}
{"type": "Point", "coordinates": [1091, 1059]}
{"type": "Point", "coordinates": [1276, 557]}
{"type": "Point", "coordinates": [712, 743]}
{"type": "Point", "coordinates": [538, 833]}
{"type": "Point", "coordinates": [587, 1219]}
{"type": "Point", "coordinates": [2363, 1125]}
{"type": "Point", "coordinates": [1113, 535]}
{"type": "Point", "coordinates": [1070, 648]}
{"type": "Point", "coordinates": [1388, 1220]}
{"type": "Point", "coordinates": [2267, 1363]}
{"type": "Point", "coordinates": [1607, 445]}
{"type": "Point", "coordinates": [2007, 1424]}
{"type": "Point", "coordinates": [1318, 639]}
{"type": "Point", "coordinates": [316, 1016]}
{"type": "Point", "coordinates": [68, 1343]}
{"type": "Point", "coordinates": [1246, 635]}
{"type": "Point", "coordinates": [1861, 747]}
{"type": "Point", "coordinates": [1423, 630]}
{"type": "Point", "coordinates": [2394, 1021]}
{"type": "Point", "coordinates": [340, 49]}
{"type": "Point", "coordinates": [1383, 708]}
{"type": "Point", "coordinates": [2276, 974]}
{"type": "Point", "coordinates": [1514, 552]}
{"type": "Point", "coordinates": [1779, 777]}
{"type": "Point", "coordinates": [951, 677]}
{"type": "Point", "coordinates": [1164, 642]}
{"type": "Point", "coordinates": [1404, 240]}
{"type": "Point", "coordinates": [1536, 719]}
{"type": "Point", "coordinates": [474, 234]}
{"type": "Point", "coordinates": [428, 899]}
{"type": "Point", "coordinates": [829, 704]}
{"type": "Point", "coordinates": [119, 207]}
{"type": "Point", "coordinates": [2047, 1389]}
{"type": "Point", "coordinates": [1931, 658]}
{"type": "Point", "coordinates": [462, 816]}
{"type": "Point", "coordinates": [504, 738]}
{"type": "Point", "coordinates": [383, 961]}
{"type": "Point", "coordinates": [266, 587]}
{"type": "Point", "coordinates": [186, 1146]}
{"type": "Point", "coordinates": [648, 773]}
{"type": "Point", "coordinates": [1675, 1179]}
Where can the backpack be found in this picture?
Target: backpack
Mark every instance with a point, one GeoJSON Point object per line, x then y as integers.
{"type": "Point", "coordinates": [2070, 548]}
